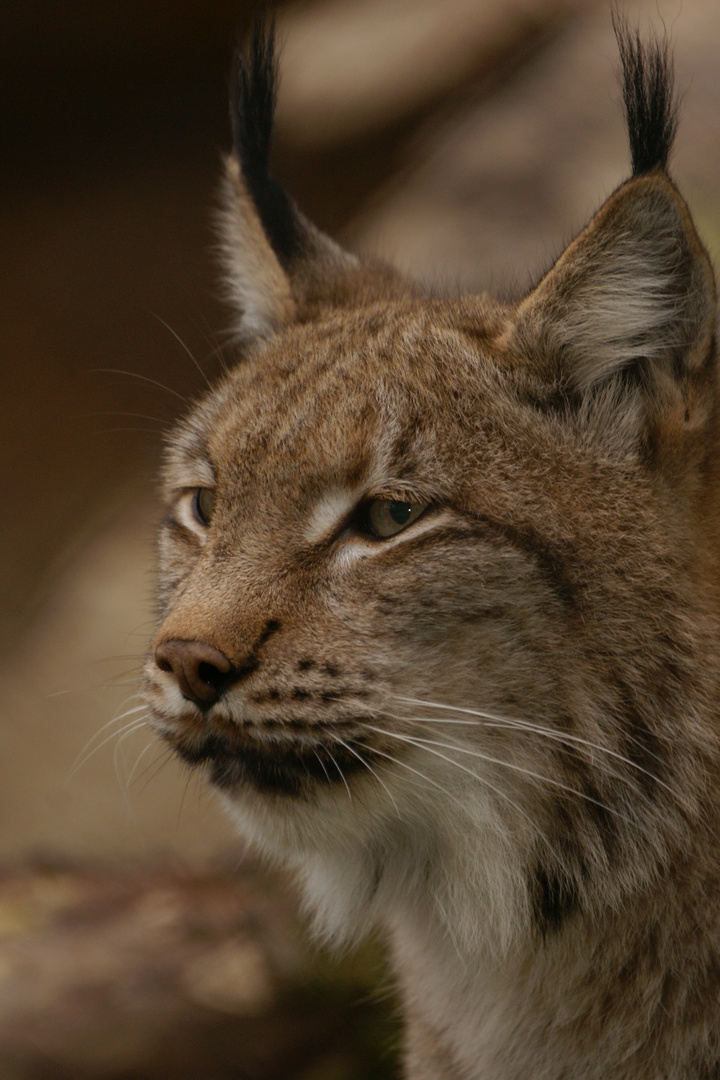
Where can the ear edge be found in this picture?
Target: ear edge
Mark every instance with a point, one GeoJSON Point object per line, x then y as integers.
{"type": "Point", "coordinates": [255, 283]}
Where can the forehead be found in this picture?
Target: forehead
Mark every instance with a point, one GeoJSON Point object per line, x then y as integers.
{"type": "Point", "coordinates": [369, 399]}
{"type": "Point", "coordinates": [352, 378]}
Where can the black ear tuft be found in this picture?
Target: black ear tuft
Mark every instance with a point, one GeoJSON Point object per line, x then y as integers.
{"type": "Point", "coordinates": [647, 87]}
{"type": "Point", "coordinates": [252, 108]}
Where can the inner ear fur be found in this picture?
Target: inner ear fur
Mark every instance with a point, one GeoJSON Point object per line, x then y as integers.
{"type": "Point", "coordinates": [256, 285]}
{"type": "Point", "coordinates": [632, 300]}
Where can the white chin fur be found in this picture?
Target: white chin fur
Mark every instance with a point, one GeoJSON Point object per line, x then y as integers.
{"type": "Point", "coordinates": [454, 864]}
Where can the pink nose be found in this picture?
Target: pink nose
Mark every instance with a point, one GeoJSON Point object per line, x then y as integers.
{"type": "Point", "coordinates": [201, 671]}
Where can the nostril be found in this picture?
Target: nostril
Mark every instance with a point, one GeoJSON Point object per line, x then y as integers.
{"type": "Point", "coordinates": [201, 671]}
{"type": "Point", "coordinates": [210, 674]}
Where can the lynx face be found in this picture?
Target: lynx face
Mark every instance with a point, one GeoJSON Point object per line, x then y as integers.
{"type": "Point", "coordinates": [342, 475]}
{"type": "Point", "coordinates": [436, 575]}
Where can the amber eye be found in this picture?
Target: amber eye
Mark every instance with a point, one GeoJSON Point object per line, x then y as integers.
{"type": "Point", "coordinates": [386, 517]}
{"type": "Point", "coordinates": [203, 504]}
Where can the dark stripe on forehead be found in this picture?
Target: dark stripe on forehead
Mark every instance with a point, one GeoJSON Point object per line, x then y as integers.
{"type": "Point", "coordinates": [405, 442]}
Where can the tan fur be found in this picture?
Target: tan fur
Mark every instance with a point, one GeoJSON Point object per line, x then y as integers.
{"type": "Point", "coordinates": [255, 281]}
{"type": "Point", "coordinates": [514, 701]}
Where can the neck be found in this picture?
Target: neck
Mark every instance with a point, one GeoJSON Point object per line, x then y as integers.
{"type": "Point", "coordinates": [632, 995]}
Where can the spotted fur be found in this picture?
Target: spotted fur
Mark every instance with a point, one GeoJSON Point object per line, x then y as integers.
{"type": "Point", "coordinates": [491, 734]}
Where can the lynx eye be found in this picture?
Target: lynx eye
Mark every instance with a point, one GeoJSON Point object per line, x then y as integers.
{"type": "Point", "coordinates": [203, 504]}
{"type": "Point", "coordinates": [386, 517]}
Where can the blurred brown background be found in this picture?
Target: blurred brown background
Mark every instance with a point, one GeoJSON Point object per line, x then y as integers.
{"type": "Point", "coordinates": [466, 140]}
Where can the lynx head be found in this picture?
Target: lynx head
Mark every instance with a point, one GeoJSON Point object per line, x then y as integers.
{"type": "Point", "coordinates": [434, 572]}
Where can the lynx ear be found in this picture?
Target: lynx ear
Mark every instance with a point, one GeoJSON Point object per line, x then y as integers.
{"type": "Point", "coordinates": [634, 295]}
{"type": "Point", "coordinates": [275, 260]}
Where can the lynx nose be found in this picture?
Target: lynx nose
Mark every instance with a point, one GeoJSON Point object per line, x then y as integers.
{"type": "Point", "coordinates": [201, 671]}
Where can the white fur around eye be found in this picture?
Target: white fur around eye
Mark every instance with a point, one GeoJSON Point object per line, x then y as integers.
{"type": "Point", "coordinates": [329, 512]}
{"type": "Point", "coordinates": [185, 513]}
{"type": "Point", "coordinates": [355, 546]}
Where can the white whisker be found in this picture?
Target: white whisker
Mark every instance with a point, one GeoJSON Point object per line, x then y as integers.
{"type": "Point", "coordinates": [322, 765]}
{"type": "Point", "coordinates": [106, 684]}
{"type": "Point", "coordinates": [607, 771]}
{"type": "Point", "coordinates": [161, 762]}
{"type": "Point", "coordinates": [126, 734]}
{"type": "Point", "coordinates": [83, 758]}
{"type": "Point", "coordinates": [426, 779]}
{"type": "Point", "coordinates": [110, 723]}
{"type": "Point", "coordinates": [143, 378]}
{"type": "Point", "coordinates": [342, 775]}
{"type": "Point", "coordinates": [428, 743]}
{"type": "Point", "coordinates": [151, 744]}
{"type": "Point", "coordinates": [184, 346]}
{"type": "Point", "coordinates": [370, 769]}
{"type": "Point", "coordinates": [492, 719]}
{"type": "Point", "coordinates": [421, 744]}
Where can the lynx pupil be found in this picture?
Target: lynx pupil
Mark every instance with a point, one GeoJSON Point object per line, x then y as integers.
{"type": "Point", "coordinates": [400, 512]}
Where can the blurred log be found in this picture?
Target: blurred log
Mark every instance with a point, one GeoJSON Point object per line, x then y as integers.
{"type": "Point", "coordinates": [164, 974]}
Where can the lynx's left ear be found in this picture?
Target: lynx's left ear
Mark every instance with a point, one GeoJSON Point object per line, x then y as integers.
{"type": "Point", "coordinates": [275, 259]}
{"type": "Point", "coordinates": [633, 297]}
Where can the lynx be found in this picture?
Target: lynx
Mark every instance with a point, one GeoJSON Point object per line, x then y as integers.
{"type": "Point", "coordinates": [439, 615]}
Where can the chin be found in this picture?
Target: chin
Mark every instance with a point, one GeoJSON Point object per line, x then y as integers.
{"type": "Point", "coordinates": [316, 820]}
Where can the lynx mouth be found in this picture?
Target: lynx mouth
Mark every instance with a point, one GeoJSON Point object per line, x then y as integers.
{"type": "Point", "coordinates": [272, 768]}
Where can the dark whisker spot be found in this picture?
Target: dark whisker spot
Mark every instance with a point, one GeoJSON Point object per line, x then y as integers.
{"type": "Point", "coordinates": [271, 627]}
